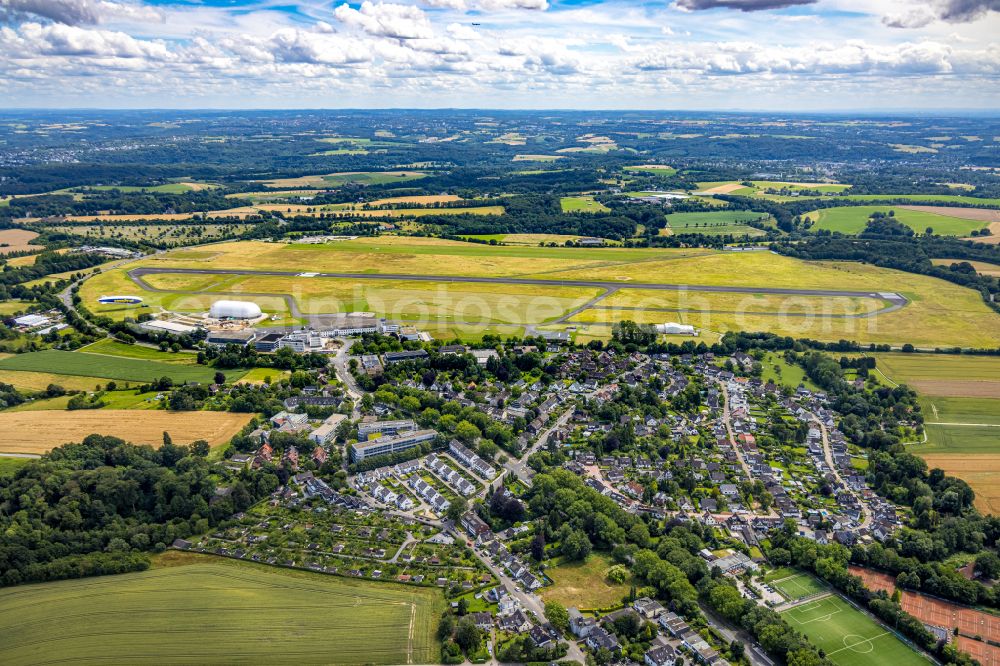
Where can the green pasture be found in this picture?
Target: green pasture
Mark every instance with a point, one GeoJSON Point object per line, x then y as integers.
{"type": "Point", "coordinates": [582, 204]}
{"type": "Point", "coordinates": [107, 367]}
{"type": "Point", "coordinates": [960, 439]}
{"type": "Point", "coordinates": [852, 220]}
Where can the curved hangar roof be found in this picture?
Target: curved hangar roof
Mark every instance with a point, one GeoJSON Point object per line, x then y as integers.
{"type": "Point", "coordinates": [234, 310]}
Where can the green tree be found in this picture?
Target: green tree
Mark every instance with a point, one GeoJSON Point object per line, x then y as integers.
{"type": "Point", "coordinates": [557, 614]}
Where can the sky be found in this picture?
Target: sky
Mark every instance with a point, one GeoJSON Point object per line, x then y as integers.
{"type": "Point", "coordinates": [785, 55]}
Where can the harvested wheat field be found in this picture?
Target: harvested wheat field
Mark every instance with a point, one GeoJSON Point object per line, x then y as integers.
{"type": "Point", "coordinates": [993, 239]}
{"type": "Point", "coordinates": [957, 388]}
{"type": "Point", "coordinates": [17, 240]}
{"type": "Point", "coordinates": [416, 199]}
{"type": "Point", "coordinates": [40, 431]}
{"type": "Point", "coordinates": [723, 189]}
{"type": "Point", "coordinates": [977, 214]}
{"type": "Point", "coordinates": [980, 471]}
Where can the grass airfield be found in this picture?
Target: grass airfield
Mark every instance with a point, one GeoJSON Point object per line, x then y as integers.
{"type": "Point", "coordinates": [937, 314]}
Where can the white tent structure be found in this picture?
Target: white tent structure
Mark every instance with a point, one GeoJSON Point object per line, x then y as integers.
{"type": "Point", "coordinates": [673, 328]}
{"type": "Point", "coordinates": [234, 310]}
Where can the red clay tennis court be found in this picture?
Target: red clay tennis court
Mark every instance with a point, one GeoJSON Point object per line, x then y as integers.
{"type": "Point", "coordinates": [929, 610]}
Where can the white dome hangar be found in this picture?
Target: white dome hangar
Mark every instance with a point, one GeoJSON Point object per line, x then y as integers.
{"type": "Point", "coordinates": [234, 310]}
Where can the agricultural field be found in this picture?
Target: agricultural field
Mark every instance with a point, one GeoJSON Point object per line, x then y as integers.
{"type": "Point", "coordinates": [526, 239]}
{"type": "Point", "coordinates": [584, 584]}
{"type": "Point", "coordinates": [960, 400]}
{"type": "Point", "coordinates": [39, 431]}
{"type": "Point", "coordinates": [538, 158]}
{"type": "Point", "coordinates": [107, 366]}
{"type": "Point", "coordinates": [582, 204]}
{"type": "Point", "coordinates": [269, 195]}
{"type": "Point", "coordinates": [793, 584]}
{"type": "Point", "coordinates": [658, 169]}
{"type": "Point", "coordinates": [115, 348]}
{"type": "Point", "coordinates": [852, 220]}
{"type": "Point", "coordinates": [39, 381]}
{"type": "Point", "coordinates": [17, 240]}
{"type": "Point", "coordinates": [343, 211]}
{"type": "Point", "coordinates": [168, 188]}
{"type": "Point", "coordinates": [338, 179]}
{"type": "Point", "coordinates": [170, 234]}
{"type": "Point", "coordinates": [848, 636]}
{"type": "Point", "coordinates": [982, 267]}
{"type": "Point", "coordinates": [715, 223]}
{"type": "Point", "coordinates": [210, 610]}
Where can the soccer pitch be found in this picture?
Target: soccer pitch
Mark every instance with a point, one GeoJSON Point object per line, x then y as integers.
{"type": "Point", "coordinates": [848, 636]}
{"type": "Point", "coordinates": [793, 584]}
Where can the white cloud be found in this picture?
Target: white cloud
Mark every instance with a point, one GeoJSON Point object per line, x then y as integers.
{"type": "Point", "coordinates": [65, 40]}
{"type": "Point", "coordinates": [76, 12]}
{"type": "Point", "coordinates": [465, 32]}
{"type": "Point", "coordinates": [386, 20]}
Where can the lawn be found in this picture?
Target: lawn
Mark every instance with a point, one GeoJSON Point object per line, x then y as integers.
{"type": "Point", "coordinates": [775, 369]}
{"type": "Point", "coordinates": [220, 612]}
{"type": "Point", "coordinates": [11, 465]}
{"type": "Point", "coordinates": [109, 367]}
{"type": "Point", "coordinates": [261, 375]}
{"type": "Point", "coordinates": [852, 220]}
{"type": "Point", "coordinates": [584, 584]}
{"type": "Point", "coordinates": [39, 431]}
{"type": "Point", "coordinates": [582, 204]}
{"type": "Point", "coordinates": [794, 584]}
{"type": "Point", "coordinates": [850, 637]}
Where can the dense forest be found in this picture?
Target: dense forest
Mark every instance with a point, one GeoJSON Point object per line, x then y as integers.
{"type": "Point", "coordinates": [99, 506]}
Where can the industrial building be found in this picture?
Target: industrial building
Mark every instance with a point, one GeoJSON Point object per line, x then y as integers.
{"type": "Point", "coordinates": [268, 342]}
{"type": "Point", "coordinates": [223, 338]}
